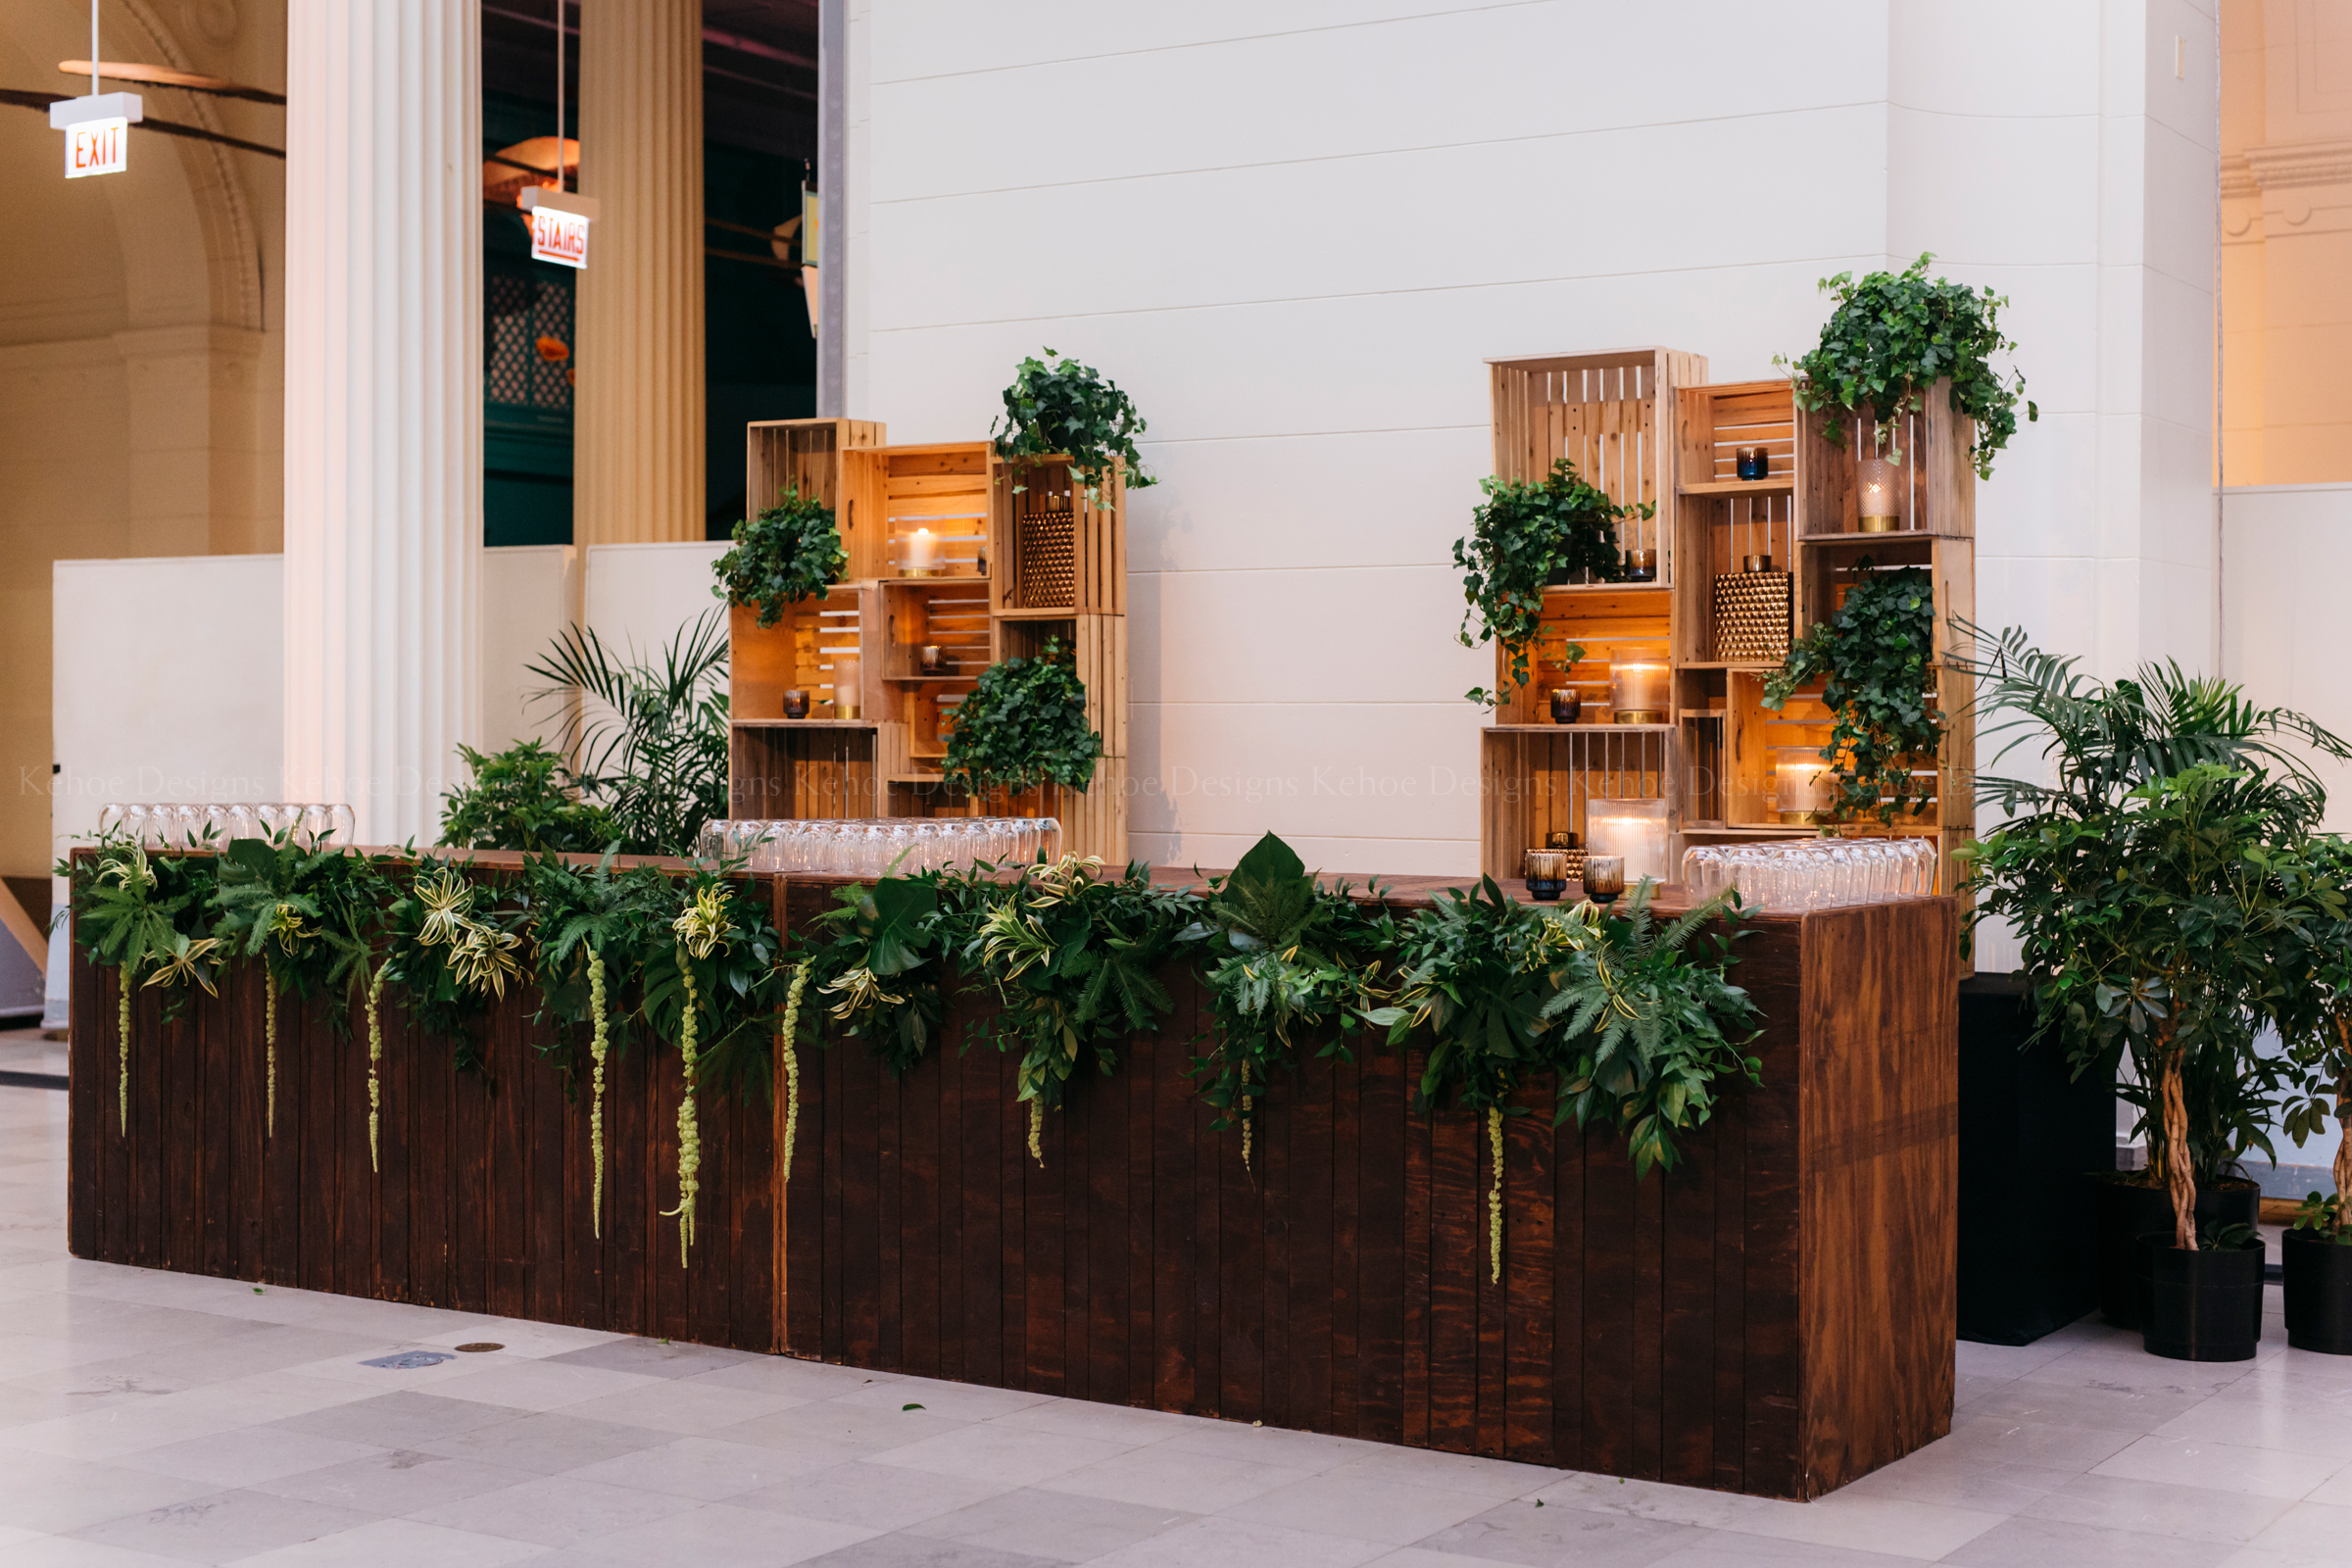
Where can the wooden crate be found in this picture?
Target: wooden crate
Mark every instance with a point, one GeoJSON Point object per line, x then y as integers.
{"type": "Point", "coordinates": [1101, 645]}
{"type": "Point", "coordinates": [1056, 553]}
{"type": "Point", "coordinates": [1938, 495]}
{"type": "Point", "coordinates": [1772, 1317]}
{"type": "Point", "coordinates": [1607, 412]}
{"type": "Point", "coordinates": [1722, 518]}
{"type": "Point", "coordinates": [952, 614]}
{"type": "Point", "coordinates": [814, 768]}
{"type": "Point", "coordinates": [944, 488]}
{"type": "Point", "coordinates": [805, 455]}
{"type": "Point", "coordinates": [798, 653]}
{"type": "Point", "coordinates": [1537, 779]}
{"type": "Point", "coordinates": [1605, 620]}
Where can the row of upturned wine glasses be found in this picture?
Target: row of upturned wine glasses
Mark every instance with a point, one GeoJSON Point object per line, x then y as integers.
{"type": "Point", "coordinates": [163, 825]}
{"type": "Point", "coordinates": [881, 845]}
{"type": "Point", "coordinates": [1812, 873]}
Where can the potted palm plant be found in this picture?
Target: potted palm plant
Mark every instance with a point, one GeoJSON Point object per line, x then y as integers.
{"type": "Point", "coordinates": [2141, 880]}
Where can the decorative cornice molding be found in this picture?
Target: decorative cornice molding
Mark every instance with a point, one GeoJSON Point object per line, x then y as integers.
{"type": "Point", "coordinates": [2303, 163]}
{"type": "Point", "coordinates": [2237, 177]}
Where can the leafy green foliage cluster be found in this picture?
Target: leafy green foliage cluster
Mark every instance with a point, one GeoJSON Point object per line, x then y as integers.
{"type": "Point", "coordinates": [1876, 659]}
{"type": "Point", "coordinates": [574, 909]}
{"type": "Point", "coordinates": [1636, 1023]}
{"type": "Point", "coordinates": [1893, 336]}
{"type": "Point", "coordinates": [1288, 966]}
{"type": "Point", "coordinates": [788, 553]}
{"type": "Point", "coordinates": [1024, 724]}
{"type": "Point", "coordinates": [1523, 536]}
{"type": "Point", "coordinates": [1056, 405]}
{"type": "Point", "coordinates": [1634, 1029]}
{"type": "Point", "coordinates": [2170, 896]}
{"type": "Point", "coordinates": [738, 986]}
{"type": "Point", "coordinates": [524, 798]}
{"type": "Point", "coordinates": [308, 914]}
{"type": "Point", "coordinates": [149, 916]}
{"type": "Point", "coordinates": [650, 734]}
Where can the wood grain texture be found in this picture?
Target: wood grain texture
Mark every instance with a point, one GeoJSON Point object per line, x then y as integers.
{"type": "Point", "coordinates": [1774, 1317]}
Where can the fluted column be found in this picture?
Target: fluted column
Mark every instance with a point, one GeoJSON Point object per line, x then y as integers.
{"type": "Point", "coordinates": [637, 430]}
{"type": "Point", "coordinates": [383, 405]}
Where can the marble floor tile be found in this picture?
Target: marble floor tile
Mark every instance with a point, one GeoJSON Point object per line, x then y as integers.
{"type": "Point", "coordinates": [1011, 1455]}
{"type": "Point", "coordinates": [1061, 1527]}
{"type": "Point", "coordinates": [554, 1510]}
{"type": "Point", "coordinates": [1371, 1508]}
{"type": "Point", "coordinates": [402, 1542]}
{"type": "Point", "coordinates": [224, 1526]}
{"type": "Point", "coordinates": [882, 1497]}
{"type": "Point", "coordinates": [704, 1469]}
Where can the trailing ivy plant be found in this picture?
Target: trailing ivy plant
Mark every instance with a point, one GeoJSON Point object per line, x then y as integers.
{"type": "Point", "coordinates": [1022, 725]}
{"type": "Point", "coordinates": [1524, 536]}
{"type": "Point", "coordinates": [1071, 953]}
{"type": "Point", "coordinates": [1875, 657]}
{"type": "Point", "coordinates": [524, 798]}
{"type": "Point", "coordinates": [1056, 405]}
{"type": "Point", "coordinates": [148, 917]}
{"type": "Point", "coordinates": [1892, 336]}
{"type": "Point", "coordinates": [788, 553]}
{"type": "Point", "coordinates": [308, 914]}
{"type": "Point", "coordinates": [1285, 962]}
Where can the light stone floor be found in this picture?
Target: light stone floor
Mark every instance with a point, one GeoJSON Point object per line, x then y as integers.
{"type": "Point", "coordinates": [153, 1419]}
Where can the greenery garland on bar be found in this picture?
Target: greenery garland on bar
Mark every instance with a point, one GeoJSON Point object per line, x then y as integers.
{"type": "Point", "coordinates": [1636, 1024]}
{"type": "Point", "coordinates": [139, 912]}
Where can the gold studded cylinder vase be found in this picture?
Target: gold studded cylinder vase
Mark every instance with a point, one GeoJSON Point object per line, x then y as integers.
{"type": "Point", "coordinates": [1753, 607]}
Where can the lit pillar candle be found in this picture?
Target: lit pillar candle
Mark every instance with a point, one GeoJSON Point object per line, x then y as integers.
{"type": "Point", "coordinates": [1878, 494]}
{"type": "Point", "coordinates": [1635, 830]}
{"type": "Point", "coordinates": [922, 552]}
{"type": "Point", "coordinates": [845, 685]}
{"type": "Point", "coordinates": [1639, 680]}
{"type": "Point", "coordinates": [1802, 790]}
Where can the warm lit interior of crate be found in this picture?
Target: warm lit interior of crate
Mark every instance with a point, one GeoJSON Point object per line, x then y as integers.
{"type": "Point", "coordinates": [952, 615]}
{"type": "Point", "coordinates": [1545, 783]}
{"type": "Point", "coordinates": [1903, 440]}
{"type": "Point", "coordinates": [941, 491]}
{"type": "Point", "coordinates": [796, 653]}
{"type": "Point", "coordinates": [1602, 415]}
{"type": "Point", "coordinates": [1753, 734]}
{"type": "Point", "coordinates": [1606, 623]}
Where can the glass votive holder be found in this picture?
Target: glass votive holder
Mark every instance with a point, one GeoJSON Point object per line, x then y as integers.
{"type": "Point", "coordinates": [1639, 683]}
{"type": "Point", "coordinates": [1567, 708]}
{"type": "Point", "coordinates": [796, 703]}
{"type": "Point", "coordinates": [845, 686]}
{"type": "Point", "coordinates": [1635, 832]}
{"type": "Point", "coordinates": [1878, 494]}
{"type": "Point", "coordinates": [1641, 565]}
{"type": "Point", "coordinates": [1604, 878]}
{"type": "Point", "coordinates": [1546, 874]}
{"type": "Point", "coordinates": [931, 659]}
{"type": "Point", "coordinates": [1753, 463]}
{"type": "Point", "coordinates": [1803, 790]}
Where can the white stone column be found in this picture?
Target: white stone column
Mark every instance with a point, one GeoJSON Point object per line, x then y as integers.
{"type": "Point", "coordinates": [637, 425]}
{"type": "Point", "coordinates": [383, 405]}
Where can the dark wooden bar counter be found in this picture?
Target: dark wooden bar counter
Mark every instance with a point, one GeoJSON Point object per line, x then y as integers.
{"type": "Point", "coordinates": [1776, 1316]}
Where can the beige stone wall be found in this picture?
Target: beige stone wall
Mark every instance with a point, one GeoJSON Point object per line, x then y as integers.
{"type": "Point", "coordinates": [2286, 241]}
{"type": "Point", "coordinates": [140, 404]}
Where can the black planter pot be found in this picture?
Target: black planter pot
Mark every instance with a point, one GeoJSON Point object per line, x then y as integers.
{"type": "Point", "coordinates": [2202, 1305]}
{"type": "Point", "coordinates": [2318, 1293]}
{"type": "Point", "coordinates": [2028, 1131]}
{"type": "Point", "coordinates": [2127, 1212]}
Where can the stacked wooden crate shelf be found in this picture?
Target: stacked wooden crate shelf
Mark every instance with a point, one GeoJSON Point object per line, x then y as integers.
{"type": "Point", "coordinates": [1718, 621]}
{"type": "Point", "coordinates": [1018, 558]}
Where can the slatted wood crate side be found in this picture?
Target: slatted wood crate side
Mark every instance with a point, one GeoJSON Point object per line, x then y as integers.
{"type": "Point", "coordinates": [809, 455]}
{"type": "Point", "coordinates": [950, 613]}
{"type": "Point", "coordinates": [814, 771]}
{"type": "Point", "coordinates": [1937, 489]}
{"type": "Point", "coordinates": [896, 490]}
{"type": "Point", "coordinates": [1606, 622]}
{"type": "Point", "coordinates": [796, 653]}
{"type": "Point", "coordinates": [1609, 413]}
{"type": "Point", "coordinates": [1099, 646]}
{"type": "Point", "coordinates": [1878, 1303]}
{"type": "Point", "coordinates": [1538, 782]}
{"type": "Point", "coordinates": [1055, 549]}
{"type": "Point", "coordinates": [1716, 533]}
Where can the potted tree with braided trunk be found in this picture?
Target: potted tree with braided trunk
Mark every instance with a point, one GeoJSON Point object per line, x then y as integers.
{"type": "Point", "coordinates": [2149, 879]}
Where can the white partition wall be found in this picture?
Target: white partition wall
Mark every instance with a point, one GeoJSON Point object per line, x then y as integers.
{"type": "Point", "coordinates": [1294, 234]}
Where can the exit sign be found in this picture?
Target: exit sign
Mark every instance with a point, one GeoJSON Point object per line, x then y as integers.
{"type": "Point", "coordinates": [559, 223]}
{"type": "Point", "coordinates": [97, 132]}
